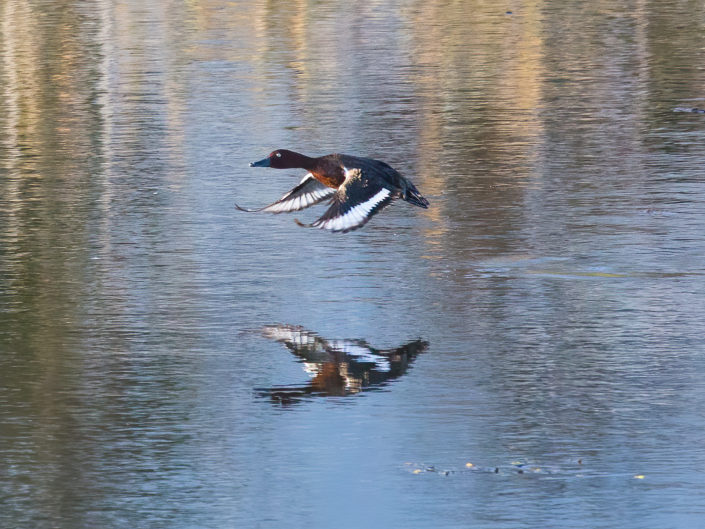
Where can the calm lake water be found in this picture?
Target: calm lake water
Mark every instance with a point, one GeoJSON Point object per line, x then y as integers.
{"type": "Point", "coordinates": [528, 352]}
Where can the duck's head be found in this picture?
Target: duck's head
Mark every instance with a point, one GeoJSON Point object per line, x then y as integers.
{"type": "Point", "coordinates": [280, 159]}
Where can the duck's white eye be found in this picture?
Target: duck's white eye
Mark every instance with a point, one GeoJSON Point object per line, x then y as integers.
{"type": "Point", "coordinates": [279, 155]}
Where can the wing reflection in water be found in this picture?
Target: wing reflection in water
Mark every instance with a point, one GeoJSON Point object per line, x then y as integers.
{"type": "Point", "coordinates": [338, 367]}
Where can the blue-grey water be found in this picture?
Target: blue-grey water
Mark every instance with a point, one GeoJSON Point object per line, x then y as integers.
{"type": "Point", "coordinates": [528, 352]}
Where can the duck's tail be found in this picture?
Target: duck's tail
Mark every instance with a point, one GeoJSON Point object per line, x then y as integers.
{"type": "Point", "coordinates": [412, 196]}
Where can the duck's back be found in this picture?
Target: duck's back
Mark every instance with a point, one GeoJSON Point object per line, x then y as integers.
{"type": "Point", "coordinates": [378, 174]}
{"type": "Point", "coordinates": [371, 168]}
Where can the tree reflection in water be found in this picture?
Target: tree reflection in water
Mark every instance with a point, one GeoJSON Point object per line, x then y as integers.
{"type": "Point", "coordinates": [337, 367]}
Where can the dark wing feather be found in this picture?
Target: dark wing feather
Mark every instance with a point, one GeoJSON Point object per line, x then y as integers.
{"type": "Point", "coordinates": [307, 193]}
{"type": "Point", "coordinates": [355, 202]}
{"type": "Point", "coordinates": [387, 173]}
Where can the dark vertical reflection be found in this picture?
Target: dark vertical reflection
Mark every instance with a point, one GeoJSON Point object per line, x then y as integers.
{"type": "Point", "coordinates": [51, 135]}
{"type": "Point", "coordinates": [88, 128]}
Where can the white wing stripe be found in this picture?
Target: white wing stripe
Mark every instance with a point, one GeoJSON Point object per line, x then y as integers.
{"type": "Point", "coordinates": [303, 200]}
{"type": "Point", "coordinates": [361, 354]}
{"type": "Point", "coordinates": [356, 214]}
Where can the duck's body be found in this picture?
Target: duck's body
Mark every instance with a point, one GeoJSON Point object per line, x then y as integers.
{"type": "Point", "coordinates": [358, 188]}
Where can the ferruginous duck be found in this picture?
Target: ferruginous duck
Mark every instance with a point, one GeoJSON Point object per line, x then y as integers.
{"type": "Point", "coordinates": [357, 187]}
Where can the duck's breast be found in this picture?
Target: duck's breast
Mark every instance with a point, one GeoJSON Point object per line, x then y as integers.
{"type": "Point", "coordinates": [329, 171]}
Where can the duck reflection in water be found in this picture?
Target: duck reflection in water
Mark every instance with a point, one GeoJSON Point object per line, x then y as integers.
{"type": "Point", "coordinates": [338, 367]}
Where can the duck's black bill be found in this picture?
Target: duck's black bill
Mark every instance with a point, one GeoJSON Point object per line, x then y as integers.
{"type": "Point", "coordinates": [261, 163]}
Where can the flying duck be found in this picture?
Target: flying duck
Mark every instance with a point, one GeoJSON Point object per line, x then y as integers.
{"type": "Point", "coordinates": [357, 187]}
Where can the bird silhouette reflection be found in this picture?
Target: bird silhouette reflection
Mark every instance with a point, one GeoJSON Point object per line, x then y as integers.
{"type": "Point", "coordinates": [337, 367]}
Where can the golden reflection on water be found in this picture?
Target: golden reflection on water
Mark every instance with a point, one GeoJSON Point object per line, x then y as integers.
{"type": "Point", "coordinates": [474, 103]}
{"type": "Point", "coordinates": [459, 61]}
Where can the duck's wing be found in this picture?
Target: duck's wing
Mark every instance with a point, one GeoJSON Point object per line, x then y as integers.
{"type": "Point", "coordinates": [307, 193]}
{"type": "Point", "coordinates": [359, 352]}
{"type": "Point", "coordinates": [353, 204]}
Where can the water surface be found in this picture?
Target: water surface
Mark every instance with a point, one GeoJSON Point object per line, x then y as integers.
{"type": "Point", "coordinates": [525, 353]}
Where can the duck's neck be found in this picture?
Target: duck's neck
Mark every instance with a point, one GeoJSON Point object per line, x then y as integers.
{"type": "Point", "coordinates": [303, 162]}
{"type": "Point", "coordinates": [324, 170]}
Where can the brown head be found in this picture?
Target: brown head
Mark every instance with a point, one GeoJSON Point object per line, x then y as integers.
{"type": "Point", "coordinates": [283, 159]}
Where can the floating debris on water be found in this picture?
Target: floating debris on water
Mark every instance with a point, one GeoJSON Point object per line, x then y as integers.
{"type": "Point", "coordinates": [571, 469]}
{"type": "Point", "coordinates": [689, 109]}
